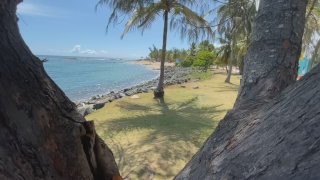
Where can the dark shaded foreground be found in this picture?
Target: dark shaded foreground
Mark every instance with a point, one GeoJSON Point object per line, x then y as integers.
{"type": "Point", "coordinates": [273, 132]}
{"type": "Point", "coordinates": [278, 140]}
{"type": "Point", "coordinates": [42, 136]}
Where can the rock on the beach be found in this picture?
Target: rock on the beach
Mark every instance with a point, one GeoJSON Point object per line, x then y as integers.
{"type": "Point", "coordinates": [129, 93]}
{"type": "Point", "coordinates": [145, 90]}
{"type": "Point", "coordinates": [98, 106]}
{"type": "Point", "coordinates": [81, 105]}
{"type": "Point", "coordinates": [85, 110]}
{"type": "Point", "coordinates": [173, 75]}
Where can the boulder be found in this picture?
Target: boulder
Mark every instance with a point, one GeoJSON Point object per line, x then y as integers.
{"type": "Point", "coordinates": [85, 110]}
{"type": "Point", "coordinates": [98, 106]}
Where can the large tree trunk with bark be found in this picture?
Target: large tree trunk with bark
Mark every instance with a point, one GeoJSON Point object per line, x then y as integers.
{"type": "Point", "coordinates": [272, 60]}
{"type": "Point", "coordinates": [42, 136]}
{"type": "Point", "coordinates": [271, 133]}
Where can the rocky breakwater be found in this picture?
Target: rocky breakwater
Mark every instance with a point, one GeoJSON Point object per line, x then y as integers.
{"type": "Point", "coordinates": [173, 75]}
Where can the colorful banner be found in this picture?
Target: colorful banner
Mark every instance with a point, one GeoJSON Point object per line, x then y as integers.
{"type": "Point", "coordinates": [304, 67]}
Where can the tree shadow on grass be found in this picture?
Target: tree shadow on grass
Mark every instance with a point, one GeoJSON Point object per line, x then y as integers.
{"type": "Point", "coordinates": [177, 121]}
{"type": "Point", "coordinates": [174, 129]}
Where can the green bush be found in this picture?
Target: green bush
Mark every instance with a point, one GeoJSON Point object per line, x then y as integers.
{"type": "Point", "coordinates": [204, 59]}
{"type": "Point", "coordinates": [187, 62]}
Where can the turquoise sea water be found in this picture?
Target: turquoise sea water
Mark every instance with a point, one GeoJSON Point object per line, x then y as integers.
{"type": "Point", "coordinates": [81, 77]}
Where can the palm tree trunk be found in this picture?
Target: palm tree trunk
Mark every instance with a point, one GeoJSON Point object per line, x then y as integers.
{"type": "Point", "coordinates": [159, 93]}
{"type": "Point", "coordinates": [230, 60]}
{"type": "Point", "coordinates": [271, 63]}
{"type": "Point", "coordinates": [241, 64]}
{"type": "Point", "coordinates": [229, 69]}
{"type": "Point", "coordinates": [42, 136]}
{"type": "Point", "coordinates": [268, 135]}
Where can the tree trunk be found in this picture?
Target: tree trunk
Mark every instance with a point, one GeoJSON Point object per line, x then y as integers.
{"type": "Point", "coordinates": [265, 137]}
{"type": "Point", "coordinates": [229, 69]}
{"type": "Point", "coordinates": [159, 93]}
{"type": "Point", "coordinates": [241, 64]}
{"type": "Point", "coordinates": [232, 55]}
{"type": "Point", "coordinates": [42, 136]}
{"type": "Point", "coordinates": [271, 64]}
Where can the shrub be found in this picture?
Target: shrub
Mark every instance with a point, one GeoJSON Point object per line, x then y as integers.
{"type": "Point", "coordinates": [187, 62]}
{"type": "Point", "coordinates": [204, 59]}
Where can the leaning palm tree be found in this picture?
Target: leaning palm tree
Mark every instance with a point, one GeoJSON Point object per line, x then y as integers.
{"type": "Point", "coordinates": [180, 15]}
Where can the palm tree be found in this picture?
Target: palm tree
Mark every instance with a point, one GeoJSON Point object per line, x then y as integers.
{"type": "Point", "coordinates": [143, 13]}
{"type": "Point", "coordinates": [154, 53]}
{"type": "Point", "coordinates": [225, 56]}
{"type": "Point", "coordinates": [193, 49]}
{"type": "Point", "coordinates": [235, 19]}
{"type": "Point", "coordinates": [206, 45]}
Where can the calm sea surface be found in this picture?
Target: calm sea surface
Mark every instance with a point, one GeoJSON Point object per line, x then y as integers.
{"type": "Point", "coordinates": [81, 77]}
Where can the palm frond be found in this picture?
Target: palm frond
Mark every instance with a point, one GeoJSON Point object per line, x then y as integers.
{"type": "Point", "coordinates": [143, 17]}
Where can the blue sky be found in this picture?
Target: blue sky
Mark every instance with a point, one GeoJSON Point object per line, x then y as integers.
{"type": "Point", "coordinates": [74, 28]}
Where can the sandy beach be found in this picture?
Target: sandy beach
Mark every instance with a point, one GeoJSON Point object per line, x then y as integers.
{"type": "Point", "coordinates": [152, 64]}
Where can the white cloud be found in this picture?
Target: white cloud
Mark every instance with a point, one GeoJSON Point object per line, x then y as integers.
{"type": "Point", "coordinates": [104, 52]}
{"type": "Point", "coordinates": [77, 50]}
{"type": "Point", "coordinates": [40, 10]}
{"type": "Point", "coordinates": [88, 51]}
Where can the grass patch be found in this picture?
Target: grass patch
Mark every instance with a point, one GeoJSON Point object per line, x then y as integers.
{"type": "Point", "coordinates": [201, 75]}
{"type": "Point", "coordinates": [154, 140]}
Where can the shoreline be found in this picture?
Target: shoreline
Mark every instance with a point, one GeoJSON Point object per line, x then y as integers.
{"type": "Point", "coordinates": [153, 65]}
{"type": "Point", "coordinates": [174, 75]}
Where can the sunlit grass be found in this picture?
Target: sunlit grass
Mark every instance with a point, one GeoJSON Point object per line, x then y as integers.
{"type": "Point", "coordinates": [152, 139]}
{"type": "Point", "coordinates": [202, 75]}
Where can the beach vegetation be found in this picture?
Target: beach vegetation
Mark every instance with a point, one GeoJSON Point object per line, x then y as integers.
{"type": "Point", "coordinates": [188, 61]}
{"type": "Point", "coordinates": [200, 55]}
{"type": "Point", "coordinates": [182, 16]}
{"type": "Point", "coordinates": [202, 75]}
{"type": "Point", "coordinates": [171, 55]}
{"type": "Point", "coordinates": [204, 59]}
{"type": "Point", "coordinates": [234, 28]}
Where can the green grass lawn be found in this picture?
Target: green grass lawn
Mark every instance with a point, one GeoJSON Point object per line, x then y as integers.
{"type": "Point", "coordinates": [154, 140]}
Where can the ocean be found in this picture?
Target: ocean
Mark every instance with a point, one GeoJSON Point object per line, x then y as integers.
{"type": "Point", "coordinates": [83, 77]}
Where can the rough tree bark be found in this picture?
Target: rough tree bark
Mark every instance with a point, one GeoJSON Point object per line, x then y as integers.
{"type": "Point", "coordinates": [273, 131]}
{"type": "Point", "coordinates": [41, 134]}
{"type": "Point", "coordinates": [272, 60]}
